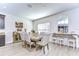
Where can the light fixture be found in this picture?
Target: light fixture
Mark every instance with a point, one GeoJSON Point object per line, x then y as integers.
{"type": "Point", "coordinates": [29, 5]}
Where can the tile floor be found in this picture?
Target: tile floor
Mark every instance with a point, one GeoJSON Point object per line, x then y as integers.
{"type": "Point", "coordinates": [16, 49]}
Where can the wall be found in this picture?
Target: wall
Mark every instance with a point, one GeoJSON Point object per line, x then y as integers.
{"type": "Point", "coordinates": [73, 16]}
{"type": "Point", "coordinates": [10, 26]}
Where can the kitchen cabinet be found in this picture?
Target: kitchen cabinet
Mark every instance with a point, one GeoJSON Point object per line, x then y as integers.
{"type": "Point", "coordinates": [2, 40]}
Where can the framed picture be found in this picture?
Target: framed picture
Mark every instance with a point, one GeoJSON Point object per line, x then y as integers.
{"type": "Point", "coordinates": [19, 26]}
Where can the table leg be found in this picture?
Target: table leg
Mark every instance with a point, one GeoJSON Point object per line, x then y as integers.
{"type": "Point", "coordinates": [48, 46]}
{"type": "Point", "coordinates": [43, 49]}
{"type": "Point", "coordinates": [37, 47]}
{"type": "Point", "coordinates": [30, 46]}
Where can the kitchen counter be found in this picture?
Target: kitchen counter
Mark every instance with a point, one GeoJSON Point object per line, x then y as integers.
{"type": "Point", "coordinates": [67, 38]}
{"type": "Point", "coordinates": [2, 33]}
{"type": "Point", "coordinates": [65, 35]}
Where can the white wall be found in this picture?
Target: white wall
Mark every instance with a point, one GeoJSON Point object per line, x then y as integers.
{"type": "Point", "coordinates": [10, 26]}
{"type": "Point", "coordinates": [73, 16]}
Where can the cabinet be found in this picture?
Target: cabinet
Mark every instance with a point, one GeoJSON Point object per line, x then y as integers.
{"type": "Point", "coordinates": [16, 37]}
{"type": "Point", "coordinates": [63, 29]}
{"type": "Point", "coordinates": [2, 40]}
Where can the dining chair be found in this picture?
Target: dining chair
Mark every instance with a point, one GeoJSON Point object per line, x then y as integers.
{"type": "Point", "coordinates": [44, 42]}
{"type": "Point", "coordinates": [26, 39]}
{"type": "Point", "coordinates": [54, 39]}
{"type": "Point", "coordinates": [42, 34]}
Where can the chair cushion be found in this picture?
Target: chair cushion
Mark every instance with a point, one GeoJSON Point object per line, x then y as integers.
{"type": "Point", "coordinates": [42, 43]}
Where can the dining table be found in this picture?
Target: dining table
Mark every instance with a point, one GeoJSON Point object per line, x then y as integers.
{"type": "Point", "coordinates": [36, 39]}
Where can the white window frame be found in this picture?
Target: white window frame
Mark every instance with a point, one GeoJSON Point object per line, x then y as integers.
{"type": "Point", "coordinates": [44, 27]}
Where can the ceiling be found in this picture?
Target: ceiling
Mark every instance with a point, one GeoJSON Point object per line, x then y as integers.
{"type": "Point", "coordinates": [35, 10]}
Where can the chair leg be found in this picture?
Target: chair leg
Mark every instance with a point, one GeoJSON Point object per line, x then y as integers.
{"type": "Point", "coordinates": [43, 50]}
{"type": "Point", "coordinates": [47, 46]}
{"type": "Point", "coordinates": [30, 46]}
{"type": "Point", "coordinates": [37, 47]}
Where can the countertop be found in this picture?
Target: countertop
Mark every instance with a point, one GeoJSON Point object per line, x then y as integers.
{"type": "Point", "coordinates": [2, 33]}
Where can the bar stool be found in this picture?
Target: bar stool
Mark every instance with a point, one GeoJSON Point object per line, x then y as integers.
{"type": "Point", "coordinates": [72, 43]}
{"type": "Point", "coordinates": [54, 40]}
{"type": "Point", "coordinates": [60, 41]}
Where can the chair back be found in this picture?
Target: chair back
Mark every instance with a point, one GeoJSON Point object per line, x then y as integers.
{"type": "Point", "coordinates": [45, 37]}
{"type": "Point", "coordinates": [25, 36]}
{"type": "Point", "coordinates": [51, 37]}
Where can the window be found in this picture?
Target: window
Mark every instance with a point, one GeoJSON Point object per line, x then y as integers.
{"type": "Point", "coordinates": [63, 21]}
{"type": "Point", "coordinates": [45, 27]}
{"type": "Point", "coordinates": [63, 25]}
{"type": "Point", "coordinates": [2, 21]}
